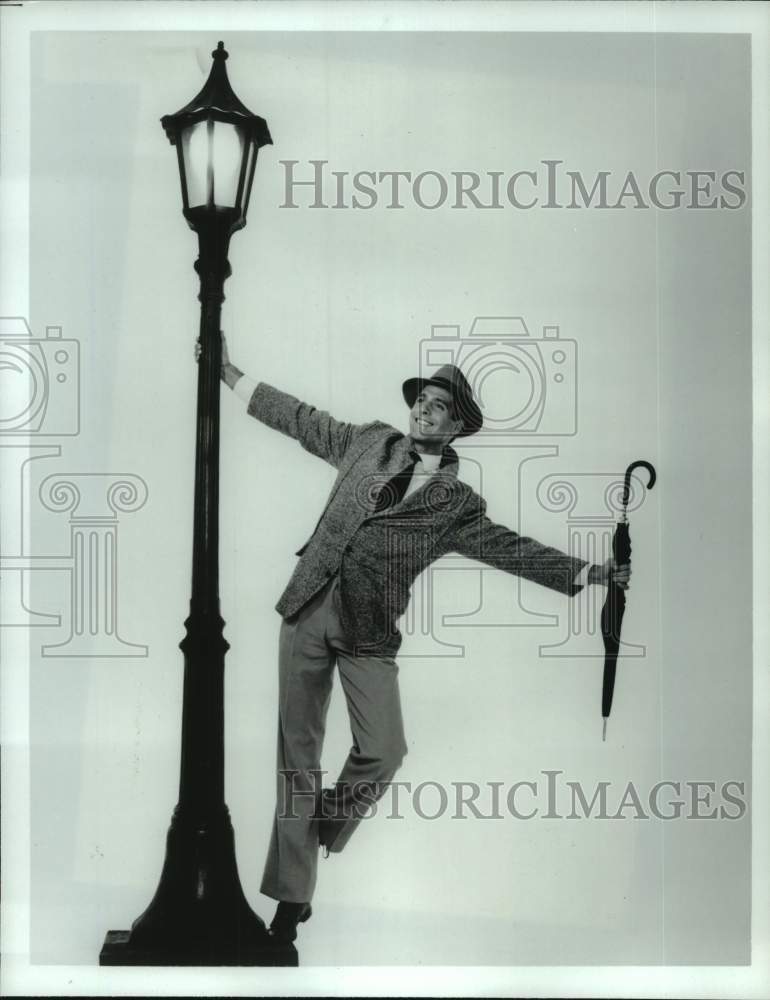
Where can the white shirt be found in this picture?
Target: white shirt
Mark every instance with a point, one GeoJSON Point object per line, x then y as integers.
{"type": "Point", "coordinates": [423, 470]}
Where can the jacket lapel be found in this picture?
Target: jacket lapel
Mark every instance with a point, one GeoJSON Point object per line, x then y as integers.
{"type": "Point", "coordinates": [415, 503]}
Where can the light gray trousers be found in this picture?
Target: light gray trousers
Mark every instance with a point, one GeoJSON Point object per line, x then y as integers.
{"type": "Point", "coordinates": [311, 643]}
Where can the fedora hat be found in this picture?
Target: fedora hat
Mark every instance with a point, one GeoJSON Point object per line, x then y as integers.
{"type": "Point", "coordinates": [449, 377]}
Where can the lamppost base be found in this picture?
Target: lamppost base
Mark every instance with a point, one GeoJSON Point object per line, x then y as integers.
{"type": "Point", "coordinates": [199, 914]}
{"type": "Point", "coordinates": [118, 950]}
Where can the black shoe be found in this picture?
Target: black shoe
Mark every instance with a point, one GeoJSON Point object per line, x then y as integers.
{"type": "Point", "coordinates": [283, 929]}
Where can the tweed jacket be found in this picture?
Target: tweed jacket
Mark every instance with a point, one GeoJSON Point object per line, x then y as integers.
{"type": "Point", "coordinates": [378, 555]}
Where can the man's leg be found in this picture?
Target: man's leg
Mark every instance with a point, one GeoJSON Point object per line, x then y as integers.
{"type": "Point", "coordinates": [374, 705]}
{"type": "Point", "coordinates": [305, 681]}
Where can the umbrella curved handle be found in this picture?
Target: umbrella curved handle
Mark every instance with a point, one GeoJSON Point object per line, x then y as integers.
{"type": "Point", "coordinates": [641, 464]}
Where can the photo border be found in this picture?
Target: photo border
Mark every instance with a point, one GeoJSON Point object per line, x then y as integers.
{"type": "Point", "coordinates": [17, 976]}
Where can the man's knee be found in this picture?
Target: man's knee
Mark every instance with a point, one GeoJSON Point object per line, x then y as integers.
{"type": "Point", "coordinates": [391, 760]}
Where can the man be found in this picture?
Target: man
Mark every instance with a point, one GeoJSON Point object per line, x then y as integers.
{"type": "Point", "coordinates": [395, 507]}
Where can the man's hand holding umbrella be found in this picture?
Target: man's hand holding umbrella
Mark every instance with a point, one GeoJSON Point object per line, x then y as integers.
{"type": "Point", "coordinates": [611, 571]}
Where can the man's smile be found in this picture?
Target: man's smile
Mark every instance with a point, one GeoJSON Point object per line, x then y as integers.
{"type": "Point", "coordinates": [431, 419]}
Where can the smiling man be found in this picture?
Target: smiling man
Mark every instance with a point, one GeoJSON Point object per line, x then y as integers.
{"type": "Point", "coordinates": [396, 506]}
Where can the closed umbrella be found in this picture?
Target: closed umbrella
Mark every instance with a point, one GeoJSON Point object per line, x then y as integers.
{"type": "Point", "coordinates": [615, 604]}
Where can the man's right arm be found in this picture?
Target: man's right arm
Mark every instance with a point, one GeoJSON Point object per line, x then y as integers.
{"type": "Point", "coordinates": [232, 376]}
{"type": "Point", "coordinates": [241, 384]}
{"type": "Point", "coordinates": [316, 430]}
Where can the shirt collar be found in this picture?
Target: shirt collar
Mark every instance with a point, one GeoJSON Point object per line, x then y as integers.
{"type": "Point", "coordinates": [429, 462]}
{"type": "Point", "coordinates": [449, 460]}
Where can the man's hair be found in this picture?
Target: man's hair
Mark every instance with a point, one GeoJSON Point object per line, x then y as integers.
{"type": "Point", "coordinates": [453, 410]}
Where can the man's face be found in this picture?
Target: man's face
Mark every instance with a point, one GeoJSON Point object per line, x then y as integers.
{"type": "Point", "coordinates": [431, 420]}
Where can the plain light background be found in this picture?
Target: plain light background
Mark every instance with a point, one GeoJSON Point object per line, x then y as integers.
{"type": "Point", "coordinates": [332, 305]}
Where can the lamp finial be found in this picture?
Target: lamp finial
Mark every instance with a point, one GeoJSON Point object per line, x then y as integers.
{"type": "Point", "coordinates": [220, 52]}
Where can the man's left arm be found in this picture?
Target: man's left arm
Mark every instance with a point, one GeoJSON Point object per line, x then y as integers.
{"type": "Point", "coordinates": [478, 537]}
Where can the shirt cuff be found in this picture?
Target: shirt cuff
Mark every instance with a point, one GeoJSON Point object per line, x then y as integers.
{"type": "Point", "coordinates": [582, 578]}
{"type": "Point", "coordinates": [244, 388]}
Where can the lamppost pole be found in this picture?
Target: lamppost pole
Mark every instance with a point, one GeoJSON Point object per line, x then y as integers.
{"type": "Point", "coordinates": [201, 778]}
{"type": "Point", "coordinates": [199, 914]}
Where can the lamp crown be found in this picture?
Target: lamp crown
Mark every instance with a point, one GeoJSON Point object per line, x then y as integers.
{"type": "Point", "coordinates": [217, 99]}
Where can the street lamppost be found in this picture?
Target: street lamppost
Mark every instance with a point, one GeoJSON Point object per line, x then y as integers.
{"type": "Point", "coordinates": [199, 914]}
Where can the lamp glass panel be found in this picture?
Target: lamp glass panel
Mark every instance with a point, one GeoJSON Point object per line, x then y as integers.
{"type": "Point", "coordinates": [249, 175]}
{"type": "Point", "coordinates": [195, 157]}
{"type": "Point", "coordinates": [227, 151]}
{"type": "Point", "coordinates": [212, 153]}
